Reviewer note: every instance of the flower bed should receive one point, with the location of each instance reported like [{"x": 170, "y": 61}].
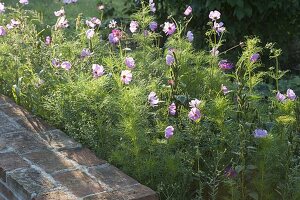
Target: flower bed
[{"x": 189, "y": 124}]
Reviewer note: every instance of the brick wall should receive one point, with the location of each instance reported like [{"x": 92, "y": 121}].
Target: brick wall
[{"x": 40, "y": 162}]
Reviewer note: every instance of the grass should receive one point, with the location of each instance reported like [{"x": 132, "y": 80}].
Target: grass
[{"x": 88, "y": 8}]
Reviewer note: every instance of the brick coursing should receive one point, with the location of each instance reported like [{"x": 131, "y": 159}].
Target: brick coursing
[{"x": 39, "y": 162}]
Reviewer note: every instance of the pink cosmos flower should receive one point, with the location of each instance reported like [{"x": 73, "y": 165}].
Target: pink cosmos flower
[
  {"x": 153, "y": 26},
  {"x": 172, "y": 109},
  {"x": 219, "y": 27},
  {"x": 169, "y": 28},
  {"x": 224, "y": 89},
  {"x": 152, "y": 6},
  {"x": 133, "y": 26},
  {"x": 90, "y": 33},
  {"x": 214, "y": 51},
  {"x": 60, "y": 13},
  {"x": 2, "y": 8},
  {"x": 291, "y": 94},
  {"x": 152, "y": 99},
  {"x": 230, "y": 172},
  {"x": 55, "y": 62},
  {"x": 90, "y": 24},
  {"x": 188, "y": 11},
  {"x": 225, "y": 65},
  {"x": 62, "y": 22},
  {"x": 126, "y": 76},
  {"x": 190, "y": 36},
  {"x": 2, "y": 31},
  {"x": 214, "y": 15},
  {"x": 9, "y": 26},
  {"x": 66, "y": 65},
  {"x": 169, "y": 132},
  {"x": 260, "y": 133},
  {"x": 115, "y": 36},
  {"x": 98, "y": 70},
  {"x": 254, "y": 57},
  {"x": 170, "y": 59},
  {"x": 85, "y": 53},
  {"x": 14, "y": 22},
  {"x": 194, "y": 103},
  {"x": 129, "y": 62},
  {"x": 280, "y": 97},
  {"x": 93, "y": 22},
  {"x": 48, "y": 40},
  {"x": 24, "y": 2},
  {"x": 194, "y": 114}
]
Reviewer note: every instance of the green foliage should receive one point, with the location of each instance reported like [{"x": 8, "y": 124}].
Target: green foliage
[{"x": 214, "y": 157}]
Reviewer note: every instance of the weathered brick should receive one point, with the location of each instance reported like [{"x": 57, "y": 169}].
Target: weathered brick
[
  {"x": 10, "y": 161},
  {"x": 78, "y": 183},
  {"x": 22, "y": 142},
  {"x": 59, "y": 140},
  {"x": 104, "y": 196},
  {"x": 135, "y": 192},
  {"x": 28, "y": 183},
  {"x": 15, "y": 111},
  {"x": 6, "y": 193},
  {"x": 56, "y": 195},
  {"x": 112, "y": 176},
  {"x": 48, "y": 160},
  {"x": 7, "y": 124},
  {"x": 5, "y": 100},
  {"x": 83, "y": 156},
  {"x": 34, "y": 124}
]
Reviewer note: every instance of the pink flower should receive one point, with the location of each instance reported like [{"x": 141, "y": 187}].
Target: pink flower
[
  {"x": 133, "y": 26},
  {"x": 172, "y": 109},
  {"x": 219, "y": 27},
  {"x": 24, "y": 2},
  {"x": 85, "y": 53},
  {"x": 153, "y": 26},
  {"x": 194, "y": 114},
  {"x": 2, "y": 8},
  {"x": 2, "y": 31},
  {"x": 129, "y": 62},
  {"x": 90, "y": 33},
  {"x": 62, "y": 22},
  {"x": 169, "y": 28},
  {"x": 55, "y": 62},
  {"x": 152, "y": 6},
  {"x": 214, "y": 15},
  {"x": 260, "y": 133},
  {"x": 152, "y": 99},
  {"x": 291, "y": 94},
  {"x": 254, "y": 57},
  {"x": 190, "y": 36},
  {"x": 126, "y": 76},
  {"x": 115, "y": 36},
  {"x": 224, "y": 89},
  {"x": 188, "y": 11},
  {"x": 195, "y": 103},
  {"x": 225, "y": 65},
  {"x": 169, "y": 132},
  {"x": 280, "y": 97},
  {"x": 60, "y": 13},
  {"x": 48, "y": 40},
  {"x": 98, "y": 70},
  {"x": 170, "y": 59},
  {"x": 214, "y": 51},
  {"x": 66, "y": 65},
  {"x": 93, "y": 22}
]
